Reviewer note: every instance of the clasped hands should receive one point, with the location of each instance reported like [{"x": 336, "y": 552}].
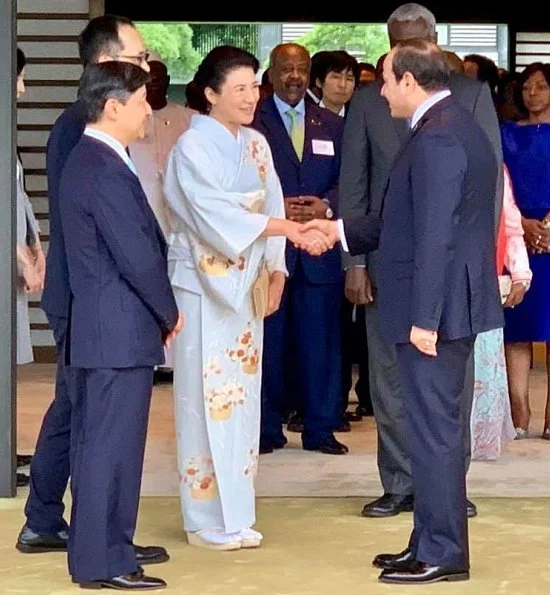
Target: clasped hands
[{"x": 316, "y": 236}]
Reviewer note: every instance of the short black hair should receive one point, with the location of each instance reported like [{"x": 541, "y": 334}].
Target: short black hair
[
  {"x": 367, "y": 66},
  {"x": 109, "y": 80},
  {"x": 219, "y": 62},
  {"x": 335, "y": 61},
  {"x": 425, "y": 61},
  {"x": 487, "y": 70},
  {"x": 101, "y": 36},
  {"x": 21, "y": 61}
]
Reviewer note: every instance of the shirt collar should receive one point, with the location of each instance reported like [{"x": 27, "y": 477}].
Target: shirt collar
[
  {"x": 113, "y": 143},
  {"x": 341, "y": 113},
  {"x": 426, "y": 105},
  {"x": 283, "y": 107},
  {"x": 313, "y": 96}
]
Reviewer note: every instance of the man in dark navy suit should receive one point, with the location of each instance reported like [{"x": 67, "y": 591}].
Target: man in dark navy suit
[
  {"x": 121, "y": 311},
  {"x": 437, "y": 289},
  {"x": 104, "y": 38},
  {"x": 302, "y": 344}
]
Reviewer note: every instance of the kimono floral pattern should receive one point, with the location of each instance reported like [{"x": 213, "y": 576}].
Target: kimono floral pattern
[
  {"x": 222, "y": 400},
  {"x": 257, "y": 153},
  {"x": 214, "y": 264},
  {"x": 251, "y": 468},
  {"x": 199, "y": 477},
  {"x": 246, "y": 353}
]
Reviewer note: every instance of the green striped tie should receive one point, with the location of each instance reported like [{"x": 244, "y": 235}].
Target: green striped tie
[{"x": 296, "y": 132}]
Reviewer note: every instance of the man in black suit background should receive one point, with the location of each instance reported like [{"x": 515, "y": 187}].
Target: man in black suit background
[
  {"x": 437, "y": 290},
  {"x": 372, "y": 138}
]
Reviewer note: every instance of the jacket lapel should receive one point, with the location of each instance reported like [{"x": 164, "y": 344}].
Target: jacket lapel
[{"x": 272, "y": 121}]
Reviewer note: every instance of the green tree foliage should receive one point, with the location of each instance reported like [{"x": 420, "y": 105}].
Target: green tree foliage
[
  {"x": 366, "y": 42},
  {"x": 207, "y": 37},
  {"x": 173, "y": 42}
]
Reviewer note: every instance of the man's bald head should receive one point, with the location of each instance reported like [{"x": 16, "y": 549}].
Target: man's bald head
[
  {"x": 284, "y": 50},
  {"x": 411, "y": 21}
]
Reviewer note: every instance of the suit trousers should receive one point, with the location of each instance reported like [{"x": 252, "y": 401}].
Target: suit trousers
[
  {"x": 110, "y": 417},
  {"x": 388, "y": 397},
  {"x": 435, "y": 389},
  {"x": 302, "y": 360},
  {"x": 355, "y": 350},
  {"x": 50, "y": 464}
]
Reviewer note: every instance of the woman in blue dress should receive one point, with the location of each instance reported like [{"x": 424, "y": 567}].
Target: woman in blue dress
[{"x": 526, "y": 146}]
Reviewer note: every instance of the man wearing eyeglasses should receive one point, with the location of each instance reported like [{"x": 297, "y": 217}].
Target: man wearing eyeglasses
[{"x": 105, "y": 38}]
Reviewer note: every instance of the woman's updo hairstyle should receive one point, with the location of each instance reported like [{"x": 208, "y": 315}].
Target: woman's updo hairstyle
[{"x": 219, "y": 62}]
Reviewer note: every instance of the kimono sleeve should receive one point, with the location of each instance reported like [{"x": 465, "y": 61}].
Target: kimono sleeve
[
  {"x": 275, "y": 247},
  {"x": 193, "y": 191}
]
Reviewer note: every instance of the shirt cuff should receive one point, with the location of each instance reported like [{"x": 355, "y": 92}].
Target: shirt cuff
[{"x": 342, "y": 233}]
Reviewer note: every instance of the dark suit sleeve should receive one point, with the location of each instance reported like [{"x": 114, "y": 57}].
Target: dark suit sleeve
[
  {"x": 437, "y": 174},
  {"x": 333, "y": 193},
  {"x": 486, "y": 116},
  {"x": 362, "y": 233},
  {"x": 130, "y": 238},
  {"x": 353, "y": 186}
]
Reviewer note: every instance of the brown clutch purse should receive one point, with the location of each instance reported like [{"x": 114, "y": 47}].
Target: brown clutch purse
[{"x": 260, "y": 293}]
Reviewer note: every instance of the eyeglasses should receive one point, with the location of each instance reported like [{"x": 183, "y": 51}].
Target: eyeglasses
[{"x": 141, "y": 59}]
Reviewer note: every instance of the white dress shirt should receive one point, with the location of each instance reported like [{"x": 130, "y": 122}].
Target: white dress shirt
[{"x": 419, "y": 112}]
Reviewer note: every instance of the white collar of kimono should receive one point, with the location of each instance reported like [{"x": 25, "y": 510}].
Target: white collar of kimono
[{"x": 210, "y": 125}]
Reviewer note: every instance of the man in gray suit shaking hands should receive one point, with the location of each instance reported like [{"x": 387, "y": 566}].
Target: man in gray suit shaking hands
[{"x": 372, "y": 139}]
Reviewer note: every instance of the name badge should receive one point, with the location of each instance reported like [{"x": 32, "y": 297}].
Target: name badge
[{"x": 322, "y": 147}]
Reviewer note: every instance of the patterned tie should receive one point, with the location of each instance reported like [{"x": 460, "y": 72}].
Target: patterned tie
[{"x": 296, "y": 132}]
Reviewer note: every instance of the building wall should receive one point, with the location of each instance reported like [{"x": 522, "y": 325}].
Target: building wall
[{"x": 47, "y": 32}]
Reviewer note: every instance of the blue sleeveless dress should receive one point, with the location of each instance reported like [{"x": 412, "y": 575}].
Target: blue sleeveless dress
[{"x": 526, "y": 151}]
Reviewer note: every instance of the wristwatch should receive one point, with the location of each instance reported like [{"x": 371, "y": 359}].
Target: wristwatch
[{"x": 329, "y": 214}]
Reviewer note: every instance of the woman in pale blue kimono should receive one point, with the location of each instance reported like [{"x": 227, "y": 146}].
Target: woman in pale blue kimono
[{"x": 227, "y": 223}]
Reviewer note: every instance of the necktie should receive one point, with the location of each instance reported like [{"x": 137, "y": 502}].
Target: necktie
[{"x": 296, "y": 132}]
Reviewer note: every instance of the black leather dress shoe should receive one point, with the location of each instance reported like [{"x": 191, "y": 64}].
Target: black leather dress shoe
[
  {"x": 364, "y": 411},
  {"x": 30, "y": 542},
  {"x": 23, "y": 460},
  {"x": 400, "y": 561},
  {"x": 295, "y": 424},
  {"x": 136, "y": 581},
  {"x": 423, "y": 574},
  {"x": 388, "y": 505},
  {"x": 163, "y": 376},
  {"x": 330, "y": 446},
  {"x": 268, "y": 446},
  {"x": 345, "y": 426},
  {"x": 151, "y": 554},
  {"x": 23, "y": 480},
  {"x": 353, "y": 417},
  {"x": 471, "y": 509}
]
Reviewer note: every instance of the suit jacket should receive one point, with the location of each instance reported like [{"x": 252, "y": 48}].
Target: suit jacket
[
  {"x": 122, "y": 303},
  {"x": 315, "y": 175},
  {"x": 372, "y": 139},
  {"x": 437, "y": 240},
  {"x": 65, "y": 135}
]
